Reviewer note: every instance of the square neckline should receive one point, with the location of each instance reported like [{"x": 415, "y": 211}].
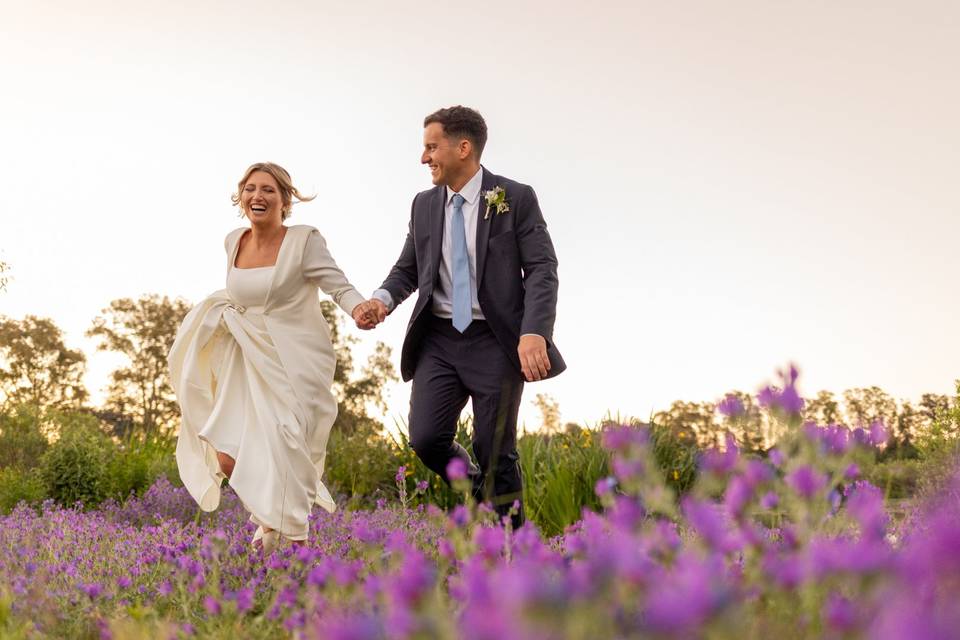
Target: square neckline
[{"x": 233, "y": 263}]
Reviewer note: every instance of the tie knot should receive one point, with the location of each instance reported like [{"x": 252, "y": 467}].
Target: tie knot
[{"x": 458, "y": 200}]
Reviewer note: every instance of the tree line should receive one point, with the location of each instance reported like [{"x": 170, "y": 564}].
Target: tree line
[
  {"x": 38, "y": 371},
  {"x": 905, "y": 422}
]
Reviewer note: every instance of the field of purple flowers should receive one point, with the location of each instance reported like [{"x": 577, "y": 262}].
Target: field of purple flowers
[{"x": 789, "y": 545}]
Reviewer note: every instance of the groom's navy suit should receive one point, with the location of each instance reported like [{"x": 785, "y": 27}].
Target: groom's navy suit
[{"x": 516, "y": 289}]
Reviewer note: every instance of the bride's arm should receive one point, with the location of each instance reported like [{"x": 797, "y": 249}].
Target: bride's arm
[{"x": 321, "y": 269}]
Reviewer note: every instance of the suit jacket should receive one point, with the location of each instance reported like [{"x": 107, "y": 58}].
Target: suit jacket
[{"x": 516, "y": 270}]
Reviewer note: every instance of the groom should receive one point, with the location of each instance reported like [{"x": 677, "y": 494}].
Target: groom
[{"x": 479, "y": 253}]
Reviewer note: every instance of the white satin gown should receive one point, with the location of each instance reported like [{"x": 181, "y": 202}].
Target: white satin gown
[{"x": 253, "y": 368}]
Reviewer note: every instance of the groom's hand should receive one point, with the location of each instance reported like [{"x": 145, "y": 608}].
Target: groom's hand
[
  {"x": 533, "y": 357},
  {"x": 366, "y": 315},
  {"x": 378, "y": 310}
]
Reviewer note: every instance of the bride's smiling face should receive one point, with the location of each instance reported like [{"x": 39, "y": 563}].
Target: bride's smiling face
[{"x": 261, "y": 199}]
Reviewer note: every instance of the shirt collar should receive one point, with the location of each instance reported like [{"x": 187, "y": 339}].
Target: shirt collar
[{"x": 471, "y": 190}]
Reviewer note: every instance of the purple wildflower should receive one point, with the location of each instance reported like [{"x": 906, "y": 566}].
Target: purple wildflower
[
  {"x": 776, "y": 457},
  {"x": 211, "y": 605},
  {"x": 456, "y": 469},
  {"x": 731, "y": 406},
  {"x": 806, "y": 481},
  {"x": 770, "y": 500},
  {"x": 605, "y": 486}
]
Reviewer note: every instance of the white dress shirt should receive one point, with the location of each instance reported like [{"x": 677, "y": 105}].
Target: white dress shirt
[{"x": 443, "y": 294}]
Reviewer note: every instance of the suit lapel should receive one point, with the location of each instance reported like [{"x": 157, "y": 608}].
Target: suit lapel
[
  {"x": 484, "y": 223},
  {"x": 436, "y": 229}
]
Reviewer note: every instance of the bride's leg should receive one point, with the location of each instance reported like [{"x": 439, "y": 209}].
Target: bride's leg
[{"x": 226, "y": 463}]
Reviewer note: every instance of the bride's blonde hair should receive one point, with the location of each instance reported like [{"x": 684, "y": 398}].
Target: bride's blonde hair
[{"x": 287, "y": 191}]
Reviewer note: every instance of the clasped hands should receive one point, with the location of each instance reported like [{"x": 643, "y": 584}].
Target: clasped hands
[{"x": 369, "y": 314}]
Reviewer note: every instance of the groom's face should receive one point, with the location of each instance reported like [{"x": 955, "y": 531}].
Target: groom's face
[{"x": 441, "y": 154}]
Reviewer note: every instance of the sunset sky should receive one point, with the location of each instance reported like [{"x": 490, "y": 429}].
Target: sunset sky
[{"x": 729, "y": 186}]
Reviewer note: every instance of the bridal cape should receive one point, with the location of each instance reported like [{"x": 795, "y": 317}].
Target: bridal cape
[{"x": 261, "y": 376}]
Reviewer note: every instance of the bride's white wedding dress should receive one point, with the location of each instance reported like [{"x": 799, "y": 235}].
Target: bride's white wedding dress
[{"x": 252, "y": 366}]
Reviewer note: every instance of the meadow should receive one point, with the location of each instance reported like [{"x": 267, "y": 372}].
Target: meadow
[{"x": 634, "y": 532}]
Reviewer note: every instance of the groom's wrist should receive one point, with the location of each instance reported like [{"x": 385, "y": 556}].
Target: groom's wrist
[{"x": 384, "y": 296}]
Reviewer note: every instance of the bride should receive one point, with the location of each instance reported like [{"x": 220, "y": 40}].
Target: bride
[{"x": 252, "y": 366}]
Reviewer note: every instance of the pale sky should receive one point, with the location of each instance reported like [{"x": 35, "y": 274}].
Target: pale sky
[{"x": 729, "y": 186}]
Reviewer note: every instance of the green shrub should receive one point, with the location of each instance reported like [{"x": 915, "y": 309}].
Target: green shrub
[
  {"x": 137, "y": 462},
  {"x": 361, "y": 465},
  {"x": 939, "y": 449},
  {"x": 22, "y": 440},
  {"x": 898, "y": 479},
  {"x": 74, "y": 469},
  {"x": 20, "y": 485}
]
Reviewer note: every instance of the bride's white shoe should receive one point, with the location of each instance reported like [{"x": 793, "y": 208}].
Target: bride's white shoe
[{"x": 268, "y": 540}]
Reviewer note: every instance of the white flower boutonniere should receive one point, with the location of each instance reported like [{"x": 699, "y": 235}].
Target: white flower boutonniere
[{"x": 496, "y": 199}]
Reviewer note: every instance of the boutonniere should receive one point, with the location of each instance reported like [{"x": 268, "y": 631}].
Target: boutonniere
[{"x": 496, "y": 199}]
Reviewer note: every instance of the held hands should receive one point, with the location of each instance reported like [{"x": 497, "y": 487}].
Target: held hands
[
  {"x": 533, "y": 357},
  {"x": 369, "y": 314}
]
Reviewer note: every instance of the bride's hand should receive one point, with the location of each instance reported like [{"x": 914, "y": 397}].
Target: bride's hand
[{"x": 367, "y": 314}]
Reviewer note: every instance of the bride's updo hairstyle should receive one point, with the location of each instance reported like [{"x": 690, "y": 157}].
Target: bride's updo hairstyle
[{"x": 287, "y": 191}]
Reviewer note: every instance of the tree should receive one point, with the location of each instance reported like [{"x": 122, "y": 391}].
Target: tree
[
  {"x": 869, "y": 405},
  {"x": 38, "y": 370},
  {"x": 4, "y": 279},
  {"x": 549, "y": 412},
  {"x": 823, "y": 410},
  {"x": 933, "y": 406},
  {"x": 908, "y": 425},
  {"x": 750, "y": 427},
  {"x": 356, "y": 395},
  {"x": 143, "y": 330},
  {"x": 697, "y": 419}
]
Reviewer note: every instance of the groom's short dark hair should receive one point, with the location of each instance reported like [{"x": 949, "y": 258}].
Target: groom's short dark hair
[{"x": 461, "y": 122}]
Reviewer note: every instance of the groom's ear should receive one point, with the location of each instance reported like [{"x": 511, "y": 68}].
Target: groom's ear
[{"x": 465, "y": 148}]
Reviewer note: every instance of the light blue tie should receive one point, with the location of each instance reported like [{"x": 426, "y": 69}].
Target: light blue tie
[{"x": 462, "y": 304}]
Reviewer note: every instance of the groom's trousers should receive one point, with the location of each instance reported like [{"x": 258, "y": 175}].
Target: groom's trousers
[{"x": 452, "y": 367}]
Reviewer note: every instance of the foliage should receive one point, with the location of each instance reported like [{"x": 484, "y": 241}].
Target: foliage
[
  {"x": 18, "y": 484},
  {"x": 74, "y": 469},
  {"x": 549, "y": 412},
  {"x": 22, "y": 437},
  {"x": 38, "y": 369},
  {"x": 939, "y": 446},
  {"x": 135, "y": 463},
  {"x": 82, "y": 463},
  {"x": 897, "y": 478},
  {"x": 560, "y": 471},
  {"x": 143, "y": 331},
  {"x": 360, "y": 464}
]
